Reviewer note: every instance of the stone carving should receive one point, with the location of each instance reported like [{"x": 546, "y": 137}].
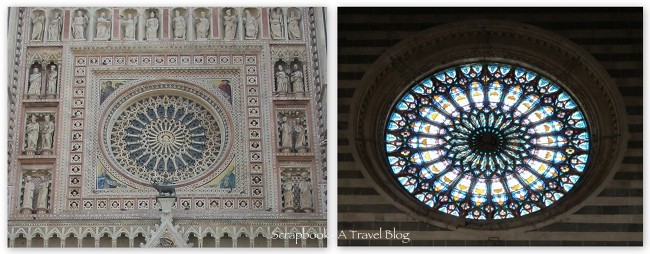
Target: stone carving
[
  {"x": 47, "y": 132},
  {"x": 41, "y": 201},
  {"x": 300, "y": 130},
  {"x": 230, "y": 25},
  {"x": 164, "y": 189},
  {"x": 34, "y": 84},
  {"x": 79, "y": 24},
  {"x": 179, "y": 25},
  {"x": 28, "y": 196},
  {"x": 251, "y": 24},
  {"x": 285, "y": 135},
  {"x": 56, "y": 24},
  {"x": 31, "y": 141},
  {"x": 293, "y": 25},
  {"x": 202, "y": 26},
  {"x": 297, "y": 80},
  {"x": 52, "y": 80},
  {"x": 37, "y": 27},
  {"x": 103, "y": 27},
  {"x": 305, "y": 192},
  {"x": 129, "y": 27},
  {"x": 281, "y": 79},
  {"x": 292, "y": 132},
  {"x": 152, "y": 27},
  {"x": 277, "y": 27},
  {"x": 288, "y": 194}
]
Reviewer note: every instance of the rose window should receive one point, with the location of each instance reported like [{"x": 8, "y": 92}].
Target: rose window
[{"x": 486, "y": 141}]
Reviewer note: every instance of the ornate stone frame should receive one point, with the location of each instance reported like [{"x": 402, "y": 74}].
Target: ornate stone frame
[{"x": 481, "y": 40}]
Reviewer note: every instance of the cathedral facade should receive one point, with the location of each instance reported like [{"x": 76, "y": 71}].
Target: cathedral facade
[{"x": 167, "y": 127}]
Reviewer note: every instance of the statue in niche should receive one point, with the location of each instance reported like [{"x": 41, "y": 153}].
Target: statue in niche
[
  {"x": 202, "y": 26},
  {"x": 251, "y": 25},
  {"x": 54, "y": 33},
  {"x": 297, "y": 83},
  {"x": 28, "y": 195},
  {"x": 129, "y": 27},
  {"x": 47, "y": 131},
  {"x": 37, "y": 27},
  {"x": 293, "y": 25},
  {"x": 179, "y": 26},
  {"x": 230, "y": 21},
  {"x": 103, "y": 27},
  {"x": 281, "y": 80},
  {"x": 300, "y": 130},
  {"x": 34, "y": 82},
  {"x": 276, "y": 23},
  {"x": 152, "y": 27},
  {"x": 41, "y": 201},
  {"x": 305, "y": 192},
  {"x": 285, "y": 135},
  {"x": 32, "y": 129},
  {"x": 288, "y": 194},
  {"x": 79, "y": 24},
  {"x": 52, "y": 79}
]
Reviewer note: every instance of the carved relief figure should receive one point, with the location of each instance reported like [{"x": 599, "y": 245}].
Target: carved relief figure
[
  {"x": 202, "y": 26},
  {"x": 28, "y": 195},
  {"x": 54, "y": 33},
  {"x": 37, "y": 27},
  {"x": 129, "y": 27},
  {"x": 179, "y": 26},
  {"x": 285, "y": 135},
  {"x": 305, "y": 192},
  {"x": 299, "y": 128},
  {"x": 288, "y": 194},
  {"x": 79, "y": 24},
  {"x": 251, "y": 25},
  {"x": 152, "y": 27},
  {"x": 34, "y": 82},
  {"x": 297, "y": 83},
  {"x": 41, "y": 201},
  {"x": 281, "y": 80},
  {"x": 276, "y": 23},
  {"x": 32, "y": 130},
  {"x": 293, "y": 25},
  {"x": 103, "y": 27},
  {"x": 47, "y": 131},
  {"x": 230, "y": 21},
  {"x": 52, "y": 79}
]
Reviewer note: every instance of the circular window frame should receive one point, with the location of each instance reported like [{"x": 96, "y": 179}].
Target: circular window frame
[{"x": 445, "y": 46}]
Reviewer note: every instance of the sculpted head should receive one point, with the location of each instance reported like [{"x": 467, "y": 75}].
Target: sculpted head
[{"x": 153, "y": 15}]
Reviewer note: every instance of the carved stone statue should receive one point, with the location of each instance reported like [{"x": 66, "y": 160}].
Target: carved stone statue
[
  {"x": 129, "y": 27},
  {"x": 103, "y": 27},
  {"x": 79, "y": 24},
  {"x": 179, "y": 26},
  {"x": 281, "y": 80},
  {"x": 47, "y": 131},
  {"x": 28, "y": 196},
  {"x": 41, "y": 201},
  {"x": 276, "y": 23},
  {"x": 293, "y": 25},
  {"x": 230, "y": 22},
  {"x": 288, "y": 194},
  {"x": 305, "y": 193},
  {"x": 251, "y": 25},
  {"x": 34, "y": 82},
  {"x": 52, "y": 79},
  {"x": 297, "y": 82},
  {"x": 300, "y": 144},
  {"x": 32, "y": 130},
  {"x": 152, "y": 27},
  {"x": 37, "y": 27},
  {"x": 285, "y": 135},
  {"x": 202, "y": 26},
  {"x": 54, "y": 33}
]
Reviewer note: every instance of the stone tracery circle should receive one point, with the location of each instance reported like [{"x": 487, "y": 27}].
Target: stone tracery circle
[{"x": 165, "y": 135}]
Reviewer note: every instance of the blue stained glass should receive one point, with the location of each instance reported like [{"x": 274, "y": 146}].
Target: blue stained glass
[{"x": 487, "y": 141}]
